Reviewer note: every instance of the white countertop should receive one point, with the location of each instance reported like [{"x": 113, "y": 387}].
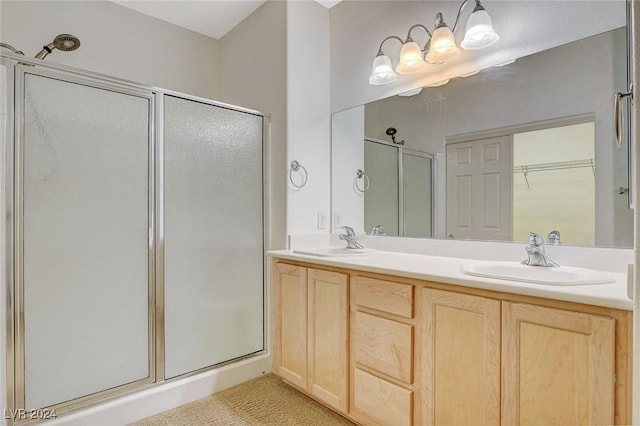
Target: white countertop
[{"x": 448, "y": 270}]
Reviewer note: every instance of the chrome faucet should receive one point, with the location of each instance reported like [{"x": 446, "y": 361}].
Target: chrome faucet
[
  {"x": 376, "y": 230},
  {"x": 350, "y": 238},
  {"x": 536, "y": 253},
  {"x": 553, "y": 237}
]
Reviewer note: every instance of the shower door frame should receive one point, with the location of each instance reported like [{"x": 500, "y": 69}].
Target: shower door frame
[
  {"x": 16, "y": 67},
  {"x": 18, "y": 228}
]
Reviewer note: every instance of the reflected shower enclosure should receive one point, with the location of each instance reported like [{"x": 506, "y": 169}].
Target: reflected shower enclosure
[
  {"x": 396, "y": 187},
  {"x": 400, "y": 194}
]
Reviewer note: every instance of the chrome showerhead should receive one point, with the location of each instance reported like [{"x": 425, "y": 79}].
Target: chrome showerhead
[
  {"x": 391, "y": 131},
  {"x": 64, "y": 42}
]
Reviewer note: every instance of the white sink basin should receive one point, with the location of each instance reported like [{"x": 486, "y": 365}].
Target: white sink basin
[
  {"x": 512, "y": 271},
  {"x": 334, "y": 251}
]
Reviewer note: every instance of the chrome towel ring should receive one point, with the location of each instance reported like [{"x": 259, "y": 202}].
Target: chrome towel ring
[
  {"x": 360, "y": 174},
  {"x": 295, "y": 167}
]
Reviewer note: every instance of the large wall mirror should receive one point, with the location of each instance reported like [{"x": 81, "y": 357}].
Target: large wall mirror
[{"x": 525, "y": 146}]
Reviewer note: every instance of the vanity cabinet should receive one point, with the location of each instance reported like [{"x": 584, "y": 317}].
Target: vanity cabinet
[
  {"x": 459, "y": 358},
  {"x": 414, "y": 352},
  {"x": 558, "y": 367},
  {"x": 310, "y": 335}
]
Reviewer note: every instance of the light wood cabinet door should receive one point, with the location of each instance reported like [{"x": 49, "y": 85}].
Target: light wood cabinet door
[
  {"x": 290, "y": 323},
  {"x": 460, "y": 359},
  {"x": 557, "y": 366},
  {"x": 328, "y": 337},
  {"x": 379, "y": 402}
]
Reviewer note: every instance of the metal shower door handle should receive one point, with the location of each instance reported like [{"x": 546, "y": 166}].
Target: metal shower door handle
[{"x": 617, "y": 116}]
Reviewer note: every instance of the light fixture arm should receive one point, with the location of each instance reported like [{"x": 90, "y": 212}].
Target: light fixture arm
[
  {"x": 409, "y": 38},
  {"x": 462, "y": 6},
  {"x": 380, "y": 52},
  {"x": 420, "y": 26}
]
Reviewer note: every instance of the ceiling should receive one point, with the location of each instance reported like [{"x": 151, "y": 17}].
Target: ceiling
[{"x": 213, "y": 18}]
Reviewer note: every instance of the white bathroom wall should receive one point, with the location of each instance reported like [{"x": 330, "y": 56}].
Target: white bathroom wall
[
  {"x": 347, "y": 153},
  {"x": 308, "y": 114},
  {"x": 253, "y": 74},
  {"x": 116, "y": 41},
  {"x": 358, "y": 27}
]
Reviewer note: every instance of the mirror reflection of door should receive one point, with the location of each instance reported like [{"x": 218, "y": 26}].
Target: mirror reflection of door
[
  {"x": 479, "y": 189},
  {"x": 503, "y": 187}
]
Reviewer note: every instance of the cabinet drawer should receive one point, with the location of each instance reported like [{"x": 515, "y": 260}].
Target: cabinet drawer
[
  {"x": 385, "y": 296},
  {"x": 380, "y": 402},
  {"x": 383, "y": 345}
]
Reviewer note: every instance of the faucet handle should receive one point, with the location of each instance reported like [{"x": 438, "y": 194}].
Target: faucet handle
[
  {"x": 553, "y": 237},
  {"x": 535, "y": 239},
  {"x": 377, "y": 230},
  {"x": 349, "y": 230}
]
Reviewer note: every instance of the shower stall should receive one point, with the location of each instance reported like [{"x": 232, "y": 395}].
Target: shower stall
[
  {"x": 399, "y": 189},
  {"x": 135, "y": 235}
]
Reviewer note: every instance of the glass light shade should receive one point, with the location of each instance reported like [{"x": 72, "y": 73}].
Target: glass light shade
[
  {"x": 443, "y": 45},
  {"x": 410, "y": 59},
  {"x": 382, "y": 71},
  {"x": 480, "y": 32}
]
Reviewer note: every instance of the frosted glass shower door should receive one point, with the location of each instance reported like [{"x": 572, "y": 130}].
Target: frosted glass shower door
[
  {"x": 381, "y": 200},
  {"x": 213, "y": 235},
  {"x": 83, "y": 173},
  {"x": 417, "y": 172}
]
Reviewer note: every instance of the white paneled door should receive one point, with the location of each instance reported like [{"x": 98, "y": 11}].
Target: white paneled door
[{"x": 479, "y": 189}]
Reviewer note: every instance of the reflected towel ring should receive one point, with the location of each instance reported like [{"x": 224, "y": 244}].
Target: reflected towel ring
[
  {"x": 360, "y": 174},
  {"x": 295, "y": 167}
]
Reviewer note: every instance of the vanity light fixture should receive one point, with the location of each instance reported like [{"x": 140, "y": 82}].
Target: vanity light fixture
[{"x": 440, "y": 47}]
